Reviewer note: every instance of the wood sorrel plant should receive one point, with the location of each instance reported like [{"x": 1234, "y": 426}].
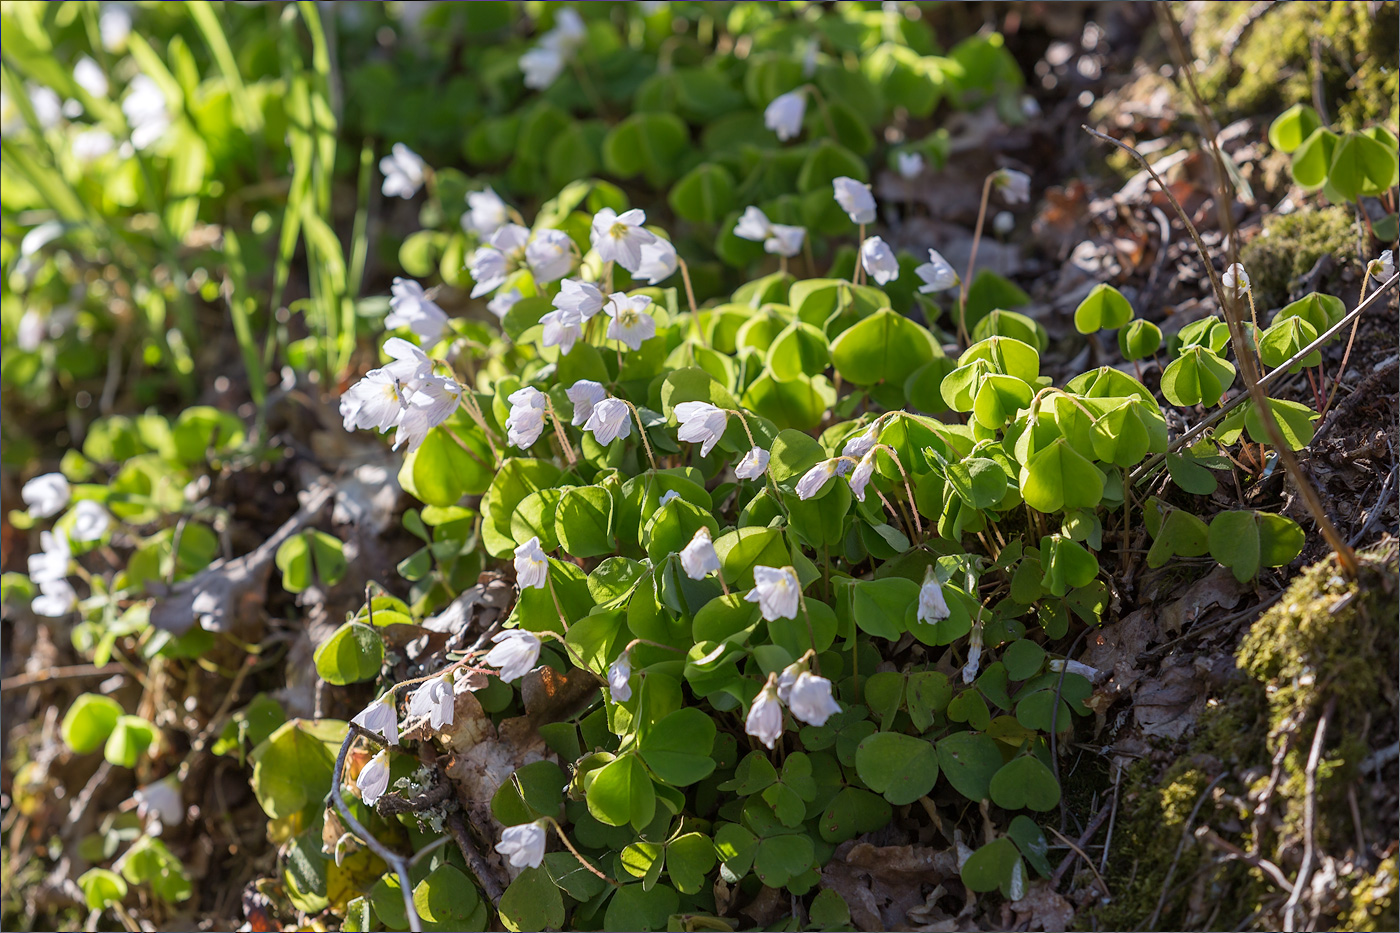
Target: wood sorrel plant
[{"x": 780, "y": 658}]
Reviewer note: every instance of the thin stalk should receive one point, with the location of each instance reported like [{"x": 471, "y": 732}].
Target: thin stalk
[
  {"x": 641, "y": 429},
  {"x": 908, "y": 489},
  {"x": 685, "y": 277},
  {"x": 1351, "y": 339},
  {"x": 558, "y": 830},
  {"x": 972, "y": 259}
]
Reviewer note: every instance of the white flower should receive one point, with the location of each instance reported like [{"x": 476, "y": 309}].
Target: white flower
[
  {"x": 937, "y": 273},
  {"x": 487, "y": 212},
  {"x": 1385, "y": 265},
  {"x": 659, "y": 261},
  {"x": 114, "y": 26},
  {"x": 765, "y": 719},
  {"x": 753, "y": 225},
  {"x": 410, "y": 306},
  {"x": 160, "y": 800},
  {"x": 1004, "y": 222},
  {"x": 488, "y": 268},
  {"x": 90, "y": 521},
  {"x": 701, "y": 423},
  {"x": 911, "y": 164},
  {"x": 932, "y": 606},
  {"x": 146, "y": 111},
  {"x": 1015, "y": 186},
  {"x": 525, "y": 423},
  {"x": 516, "y": 654},
  {"x": 855, "y": 199},
  {"x": 541, "y": 65},
  {"x": 810, "y": 699},
  {"x": 620, "y": 237},
  {"x": 531, "y": 565},
  {"x": 430, "y": 406},
  {"x": 619, "y": 678},
  {"x": 814, "y": 479},
  {"x": 753, "y": 465},
  {"x": 562, "y": 329},
  {"x": 550, "y": 256},
  {"x": 784, "y": 115},
  {"x": 45, "y": 495},
  {"x": 785, "y": 240},
  {"x": 584, "y": 394},
  {"x": 630, "y": 321},
  {"x": 92, "y": 144},
  {"x": 48, "y": 107},
  {"x": 1091, "y": 674},
  {"x": 376, "y": 401},
  {"x": 809, "y": 58},
  {"x": 776, "y": 591},
  {"x": 860, "y": 476},
  {"x": 585, "y": 298},
  {"x": 974, "y": 653},
  {"x": 609, "y": 420},
  {"x": 859, "y": 445},
  {"x": 698, "y": 558},
  {"x": 51, "y": 563},
  {"x": 788, "y": 677},
  {"x": 668, "y": 496},
  {"x": 90, "y": 77},
  {"x": 56, "y": 598},
  {"x": 381, "y": 717},
  {"x": 31, "y": 330},
  {"x": 523, "y": 845},
  {"x": 410, "y": 365},
  {"x": 1235, "y": 280},
  {"x": 503, "y": 302},
  {"x": 435, "y": 699},
  {"x": 373, "y": 779},
  {"x": 403, "y": 170},
  {"x": 878, "y": 260}
]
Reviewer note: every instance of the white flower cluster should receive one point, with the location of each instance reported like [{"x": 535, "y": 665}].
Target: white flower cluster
[
  {"x": 404, "y": 394},
  {"x": 45, "y": 496},
  {"x": 806, "y": 695}
]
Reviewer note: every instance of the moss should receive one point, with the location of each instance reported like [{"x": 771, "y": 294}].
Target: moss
[
  {"x": 1273, "y": 66},
  {"x": 1291, "y": 244},
  {"x": 1329, "y": 642}
]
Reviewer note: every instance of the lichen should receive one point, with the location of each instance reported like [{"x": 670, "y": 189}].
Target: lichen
[
  {"x": 1291, "y": 244},
  {"x": 1329, "y": 644},
  {"x": 1276, "y": 63}
]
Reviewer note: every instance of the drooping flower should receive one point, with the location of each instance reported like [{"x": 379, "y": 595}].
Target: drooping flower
[
  {"x": 410, "y": 306},
  {"x": 937, "y": 273},
  {"x": 701, "y": 423},
  {"x": 810, "y": 699},
  {"x": 46, "y": 495},
  {"x": 525, "y": 423},
  {"x": 630, "y": 321},
  {"x": 487, "y": 212},
  {"x": 855, "y": 199},
  {"x": 435, "y": 699},
  {"x": 1235, "y": 280},
  {"x": 698, "y": 558},
  {"x": 516, "y": 654},
  {"x": 765, "y": 719},
  {"x": 491, "y": 265},
  {"x": 523, "y": 845},
  {"x": 910, "y": 164},
  {"x": 620, "y": 237},
  {"x": 860, "y": 476},
  {"x": 503, "y": 302},
  {"x": 784, "y": 114},
  {"x": 373, "y": 779},
  {"x": 932, "y": 606},
  {"x": 90, "y": 521},
  {"x": 531, "y": 565},
  {"x": 859, "y": 445},
  {"x": 776, "y": 591},
  {"x": 1385, "y": 265},
  {"x": 609, "y": 420},
  {"x": 815, "y": 479},
  {"x": 878, "y": 260},
  {"x": 562, "y": 329},
  {"x": 753, "y": 465},
  {"x": 620, "y": 678},
  {"x": 433, "y": 403},
  {"x": 974, "y": 653},
  {"x": 777, "y": 239},
  {"x": 753, "y": 224},
  {"x": 147, "y": 113},
  {"x": 550, "y": 256},
  {"x": 1004, "y": 222},
  {"x": 579, "y": 296},
  {"x": 1015, "y": 186},
  {"x": 659, "y": 261},
  {"x": 788, "y": 676},
  {"x": 403, "y": 170},
  {"x": 56, "y": 598},
  {"x": 584, "y": 394},
  {"x": 381, "y": 717},
  {"x": 51, "y": 563}
]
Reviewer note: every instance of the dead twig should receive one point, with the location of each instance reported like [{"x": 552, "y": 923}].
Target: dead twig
[
  {"x": 1077, "y": 849},
  {"x": 1180, "y": 847},
  {"x": 49, "y": 675},
  {"x": 1209, "y": 836},
  {"x": 1305, "y": 870},
  {"x": 457, "y": 825}
]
